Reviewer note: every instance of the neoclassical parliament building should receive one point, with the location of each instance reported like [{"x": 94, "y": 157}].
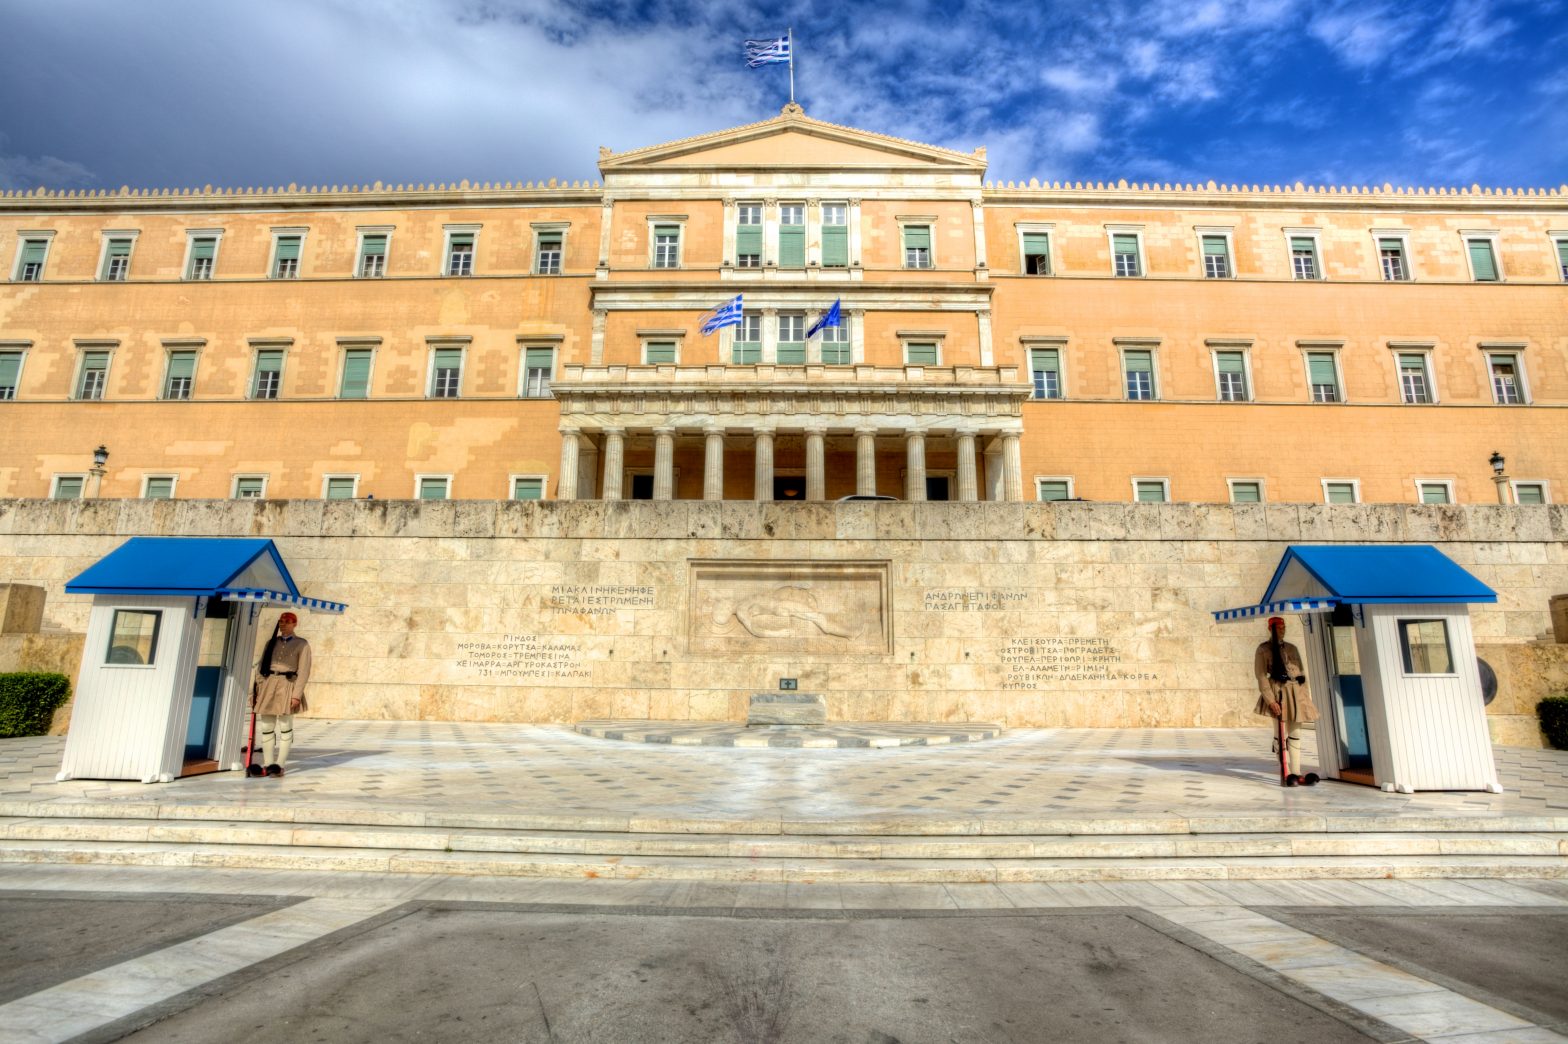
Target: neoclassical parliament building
[{"x": 998, "y": 341}]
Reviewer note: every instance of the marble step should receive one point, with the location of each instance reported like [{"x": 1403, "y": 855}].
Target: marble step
[{"x": 879, "y": 871}]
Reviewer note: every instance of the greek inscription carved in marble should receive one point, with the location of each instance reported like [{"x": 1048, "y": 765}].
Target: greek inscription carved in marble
[
  {"x": 1038, "y": 663},
  {"x": 784, "y": 608}
]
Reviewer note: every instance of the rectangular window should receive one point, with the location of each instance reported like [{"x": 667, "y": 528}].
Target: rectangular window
[
  {"x": 1323, "y": 376},
  {"x": 1037, "y": 253},
  {"x": 181, "y": 376},
  {"x": 1246, "y": 491},
  {"x": 250, "y": 487},
  {"x": 1396, "y": 267},
  {"x": 356, "y": 373},
  {"x": 1053, "y": 489},
  {"x": 285, "y": 256},
  {"x": 1434, "y": 492},
  {"x": 67, "y": 487},
  {"x": 116, "y": 260},
  {"x": 547, "y": 252},
  {"x": 920, "y": 353},
  {"x": 656, "y": 353},
  {"x": 746, "y": 350},
  {"x": 95, "y": 374},
  {"x": 1529, "y": 492},
  {"x": 835, "y": 344},
  {"x": 1339, "y": 492},
  {"x": 666, "y": 246},
  {"x": 538, "y": 369},
  {"x": 446, "y": 373},
  {"x": 1216, "y": 257},
  {"x": 1562, "y": 258},
  {"x": 372, "y": 255},
  {"x": 1045, "y": 371},
  {"x": 526, "y": 487},
  {"x": 1483, "y": 260},
  {"x": 204, "y": 256},
  {"x": 434, "y": 487},
  {"x": 1150, "y": 491},
  {"x": 1506, "y": 386},
  {"x": 158, "y": 487},
  {"x": 748, "y": 235},
  {"x": 267, "y": 381},
  {"x": 1414, "y": 383},
  {"x": 792, "y": 338},
  {"x": 10, "y": 373},
  {"x": 460, "y": 253},
  {"x": 1138, "y": 368},
  {"x": 792, "y": 235},
  {"x": 340, "y": 487},
  {"x": 1124, "y": 254},
  {"x": 917, "y": 246},
  {"x": 1424, "y": 646},
  {"x": 1304, "y": 257},
  {"x": 1230, "y": 371},
  {"x": 835, "y": 235},
  {"x": 30, "y": 265},
  {"x": 133, "y": 637}
]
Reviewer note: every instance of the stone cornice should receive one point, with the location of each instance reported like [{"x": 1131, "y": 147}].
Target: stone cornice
[
  {"x": 357, "y": 197},
  {"x": 1352, "y": 197}
]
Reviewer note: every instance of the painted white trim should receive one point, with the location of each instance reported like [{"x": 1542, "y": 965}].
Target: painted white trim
[
  {"x": 1545, "y": 484},
  {"x": 925, "y": 221},
  {"x": 1071, "y": 490},
  {"x": 21, "y": 350},
  {"x": 174, "y": 484},
  {"x": 1354, "y": 483},
  {"x": 1136, "y": 231},
  {"x": 54, "y": 484},
  {"x": 434, "y": 344},
  {"x": 1045, "y": 228},
  {"x": 326, "y": 480},
  {"x": 82, "y": 348},
  {"x": 359, "y": 248},
  {"x": 1258, "y": 480},
  {"x": 523, "y": 347},
  {"x": 193, "y": 234},
  {"x": 103, "y": 252},
  {"x": 905, "y": 340},
  {"x": 1316, "y": 235},
  {"x": 1153, "y": 348},
  {"x": 1217, "y": 346},
  {"x": 447, "y": 232},
  {"x": 1331, "y": 348},
  {"x": 1514, "y": 350},
  {"x": 1447, "y": 484},
  {"x": 542, "y": 478},
  {"x": 272, "y": 257},
  {"x": 1493, "y": 237},
  {"x": 537, "y": 228},
  {"x": 1226, "y": 232},
  {"x": 350, "y": 344},
  {"x": 1165, "y": 485},
  {"x": 257, "y": 346},
  {"x": 1401, "y": 234},
  {"x": 419, "y": 481},
  {"x": 195, "y": 347},
  {"x": 234, "y": 486},
  {"x": 679, "y": 221},
  {"x": 22, "y": 238},
  {"x": 1425, "y": 349}
]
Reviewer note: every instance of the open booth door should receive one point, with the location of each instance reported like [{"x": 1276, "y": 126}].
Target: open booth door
[{"x": 1347, "y": 696}]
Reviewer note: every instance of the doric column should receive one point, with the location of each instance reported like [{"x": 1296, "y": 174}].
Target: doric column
[
  {"x": 762, "y": 485},
  {"x": 566, "y": 483},
  {"x": 1012, "y": 468},
  {"x": 713, "y": 464},
  {"x": 816, "y": 485},
  {"x": 968, "y": 489},
  {"x": 865, "y": 461},
  {"x": 663, "y": 463},
  {"x": 614, "y": 462},
  {"x": 915, "y": 465}
]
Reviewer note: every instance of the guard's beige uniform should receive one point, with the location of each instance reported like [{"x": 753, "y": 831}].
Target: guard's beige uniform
[
  {"x": 274, "y": 695},
  {"x": 1294, "y": 701}
]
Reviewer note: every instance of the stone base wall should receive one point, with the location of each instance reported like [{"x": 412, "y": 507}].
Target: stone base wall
[{"x": 1026, "y": 614}]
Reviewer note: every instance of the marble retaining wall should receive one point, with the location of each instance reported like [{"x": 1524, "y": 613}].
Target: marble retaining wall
[{"x": 1027, "y": 614}]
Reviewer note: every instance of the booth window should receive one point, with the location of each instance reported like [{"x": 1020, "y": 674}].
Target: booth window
[
  {"x": 1424, "y": 645},
  {"x": 133, "y": 638}
]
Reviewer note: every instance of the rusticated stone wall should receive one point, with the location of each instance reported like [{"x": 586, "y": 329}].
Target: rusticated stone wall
[{"x": 1075, "y": 614}]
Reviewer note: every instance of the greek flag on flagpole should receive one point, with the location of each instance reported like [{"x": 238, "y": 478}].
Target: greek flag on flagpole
[
  {"x": 727, "y": 314},
  {"x": 767, "y": 52},
  {"x": 831, "y": 317}
]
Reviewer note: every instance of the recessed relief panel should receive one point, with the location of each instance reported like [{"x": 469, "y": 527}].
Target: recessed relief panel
[{"x": 790, "y": 608}]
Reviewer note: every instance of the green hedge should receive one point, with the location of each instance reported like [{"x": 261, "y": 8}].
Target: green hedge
[
  {"x": 1553, "y": 712},
  {"x": 28, "y": 702}
]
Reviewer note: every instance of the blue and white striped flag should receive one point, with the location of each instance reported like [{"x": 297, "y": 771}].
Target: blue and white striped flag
[
  {"x": 767, "y": 52},
  {"x": 831, "y": 317},
  {"x": 727, "y": 314}
]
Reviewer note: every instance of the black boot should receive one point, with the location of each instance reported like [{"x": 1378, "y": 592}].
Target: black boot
[
  {"x": 274, "y": 770},
  {"x": 1310, "y": 779},
  {"x": 1292, "y": 780}
]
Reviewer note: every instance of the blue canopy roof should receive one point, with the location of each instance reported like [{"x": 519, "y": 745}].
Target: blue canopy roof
[
  {"x": 1321, "y": 576},
  {"x": 197, "y": 567}
]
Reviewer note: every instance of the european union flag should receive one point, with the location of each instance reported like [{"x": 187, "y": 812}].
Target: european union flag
[
  {"x": 831, "y": 317},
  {"x": 727, "y": 314}
]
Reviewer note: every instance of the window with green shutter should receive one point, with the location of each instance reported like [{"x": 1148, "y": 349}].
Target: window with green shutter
[
  {"x": 1529, "y": 493},
  {"x": 547, "y": 252},
  {"x": 1323, "y": 377},
  {"x": 1138, "y": 369},
  {"x": 1124, "y": 254},
  {"x": 920, "y": 353},
  {"x": 1045, "y": 370},
  {"x": 116, "y": 260},
  {"x": 372, "y": 255},
  {"x": 268, "y": 379},
  {"x": 1150, "y": 491},
  {"x": 1246, "y": 493},
  {"x": 748, "y": 235},
  {"x": 1391, "y": 252},
  {"x": 460, "y": 254},
  {"x": 1339, "y": 492},
  {"x": 1303, "y": 257},
  {"x": 538, "y": 369},
  {"x": 1037, "y": 253},
  {"x": 666, "y": 246},
  {"x": 181, "y": 376},
  {"x": 249, "y": 487},
  {"x": 95, "y": 374},
  {"x": 1562, "y": 258},
  {"x": 792, "y": 235},
  {"x": 835, "y": 235},
  {"x": 1216, "y": 257},
  {"x": 527, "y": 488},
  {"x": 446, "y": 373},
  {"x": 1053, "y": 489},
  {"x": 30, "y": 267},
  {"x": 285, "y": 257},
  {"x": 917, "y": 246},
  {"x": 434, "y": 487},
  {"x": 158, "y": 487},
  {"x": 1434, "y": 493},
  {"x": 356, "y": 373},
  {"x": 746, "y": 348},
  {"x": 1413, "y": 381},
  {"x": 792, "y": 339},
  {"x": 204, "y": 254},
  {"x": 1231, "y": 374},
  {"x": 67, "y": 487},
  {"x": 835, "y": 344},
  {"x": 340, "y": 487},
  {"x": 10, "y": 373},
  {"x": 656, "y": 353},
  {"x": 1483, "y": 261}
]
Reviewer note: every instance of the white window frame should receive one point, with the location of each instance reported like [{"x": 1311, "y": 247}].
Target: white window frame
[
  {"x": 21, "y": 349},
  {"x": 169, "y": 348},
  {"x": 1425, "y": 350},
  {"x": 679, "y": 221},
  {"x": 1314, "y": 234},
  {"x": 1557, "y": 238},
  {"x": 252, "y": 385},
  {"x": 346, "y": 345},
  {"x": 1355, "y": 488},
  {"x": 359, "y": 249},
  {"x": 1333, "y": 348},
  {"x": 432, "y": 346},
  {"x": 542, "y": 479},
  {"x": 936, "y": 337},
  {"x": 645, "y": 338},
  {"x": 1447, "y": 484},
  {"x": 1072, "y": 493},
  {"x": 1403, "y": 235},
  {"x": 1263, "y": 489},
  {"x": 326, "y": 481},
  {"x": 1226, "y": 232},
  {"x": 419, "y": 481},
  {"x": 523, "y": 346},
  {"x": 447, "y": 232},
  {"x": 279, "y": 234},
  {"x": 1516, "y": 350},
  {"x": 1059, "y": 345},
  {"x": 1245, "y": 348},
  {"x": 927, "y": 222},
  {"x": 1153, "y": 348},
  {"x": 805, "y": 233},
  {"x": 22, "y": 237},
  {"x": 174, "y": 484},
  {"x": 1546, "y": 488},
  {"x": 191, "y": 235},
  {"x": 1165, "y": 487},
  {"x": 822, "y": 223},
  {"x": 846, "y": 328},
  {"x": 1492, "y": 237},
  {"x": 540, "y": 229},
  {"x": 54, "y": 484},
  {"x": 1136, "y": 231},
  {"x": 82, "y": 348},
  {"x": 1038, "y": 228},
  {"x": 103, "y": 252},
  {"x": 762, "y": 236},
  {"x": 234, "y": 487}
]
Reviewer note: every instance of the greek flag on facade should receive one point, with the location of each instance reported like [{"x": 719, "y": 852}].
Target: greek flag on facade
[
  {"x": 767, "y": 52},
  {"x": 831, "y": 317},
  {"x": 727, "y": 314}
]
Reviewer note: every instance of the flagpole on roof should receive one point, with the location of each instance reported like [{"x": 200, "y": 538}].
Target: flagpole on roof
[{"x": 791, "y": 64}]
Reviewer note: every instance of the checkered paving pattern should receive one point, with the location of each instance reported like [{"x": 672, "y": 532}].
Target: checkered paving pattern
[{"x": 1104, "y": 773}]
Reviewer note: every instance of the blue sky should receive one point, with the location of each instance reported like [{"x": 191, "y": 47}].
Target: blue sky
[{"x": 174, "y": 93}]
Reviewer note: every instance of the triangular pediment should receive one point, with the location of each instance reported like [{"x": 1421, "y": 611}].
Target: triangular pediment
[{"x": 791, "y": 140}]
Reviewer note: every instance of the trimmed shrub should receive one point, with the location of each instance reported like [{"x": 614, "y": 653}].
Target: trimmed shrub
[
  {"x": 28, "y": 702},
  {"x": 1553, "y": 712}
]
